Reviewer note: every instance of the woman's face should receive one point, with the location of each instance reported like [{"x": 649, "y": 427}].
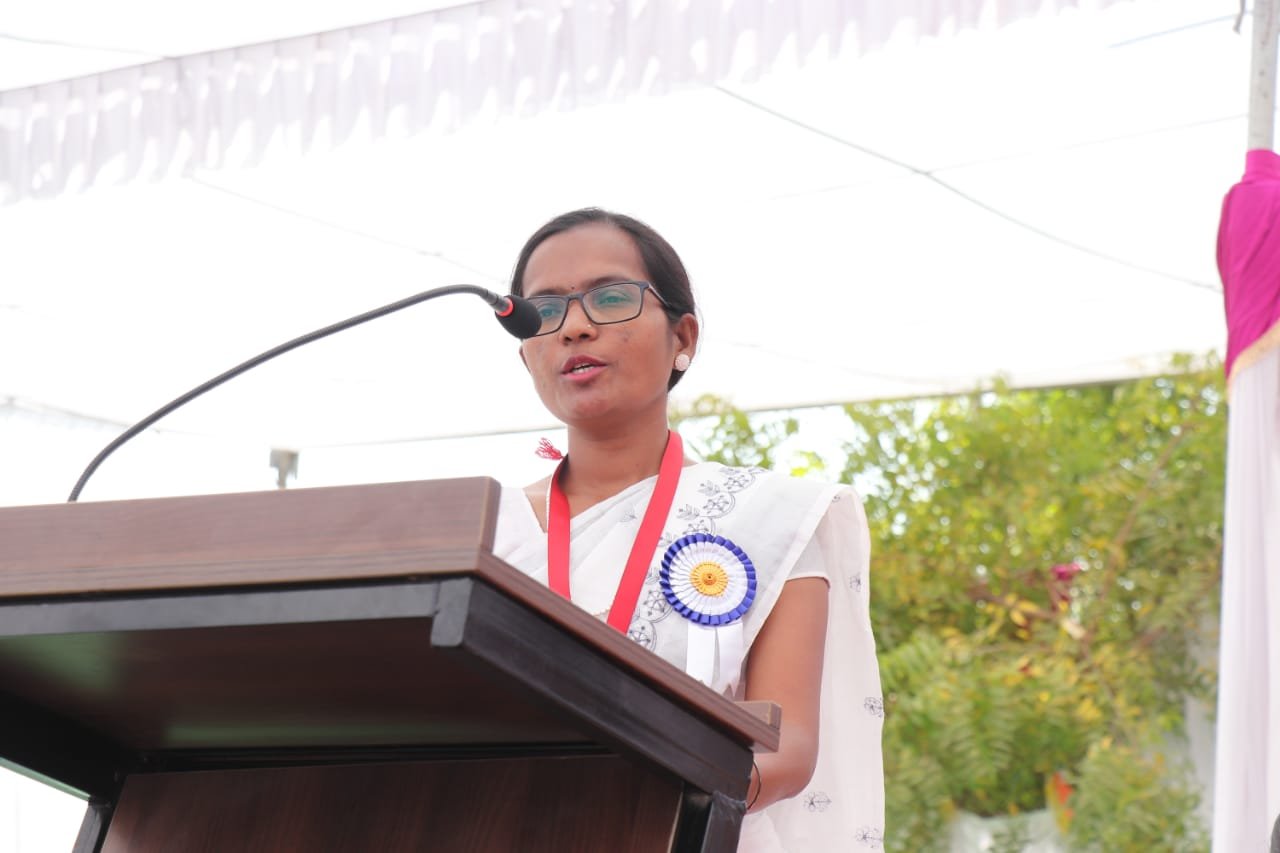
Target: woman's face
[{"x": 586, "y": 373}]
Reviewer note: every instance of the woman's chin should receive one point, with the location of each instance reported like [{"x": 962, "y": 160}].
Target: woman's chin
[
  {"x": 584, "y": 413},
  {"x": 598, "y": 406},
  {"x": 587, "y": 410}
]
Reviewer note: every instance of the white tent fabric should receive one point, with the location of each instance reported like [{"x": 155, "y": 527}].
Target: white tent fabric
[
  {"x": 437, "y": 70},
  {"x": 155, "y": 464},
  {"x": 908, "y": 221},
  {"x": 1247, "y": 799}
]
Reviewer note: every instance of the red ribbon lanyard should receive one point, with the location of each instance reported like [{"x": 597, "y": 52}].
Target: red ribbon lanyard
[{"x": 655, "y": 517}]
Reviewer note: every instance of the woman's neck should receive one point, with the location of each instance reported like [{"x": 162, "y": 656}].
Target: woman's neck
[{"x": 603, "y": 464}]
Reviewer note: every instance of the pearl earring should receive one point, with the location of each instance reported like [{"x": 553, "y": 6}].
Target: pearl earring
[{"x": 682, "y": 362}]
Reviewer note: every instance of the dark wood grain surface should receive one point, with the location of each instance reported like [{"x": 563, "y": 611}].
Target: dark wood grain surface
[
  {"x": 529, "y": 805},
  {"x": 312, "y": 684}
]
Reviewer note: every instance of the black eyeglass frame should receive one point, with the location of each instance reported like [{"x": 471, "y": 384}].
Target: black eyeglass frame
[{"x": 565, "y": 299}]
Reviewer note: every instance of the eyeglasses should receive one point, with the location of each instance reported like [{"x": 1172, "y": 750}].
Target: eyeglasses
[{"x": 615, "y": 302}]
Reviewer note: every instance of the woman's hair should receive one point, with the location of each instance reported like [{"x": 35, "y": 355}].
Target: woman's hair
[{"x": 661, "y": 263}]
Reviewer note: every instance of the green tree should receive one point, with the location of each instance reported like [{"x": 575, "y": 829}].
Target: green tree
[{"x": 1044, "y": 565}]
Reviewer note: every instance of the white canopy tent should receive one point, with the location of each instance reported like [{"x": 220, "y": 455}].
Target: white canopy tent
[
  {"x": 874, "y": 199},
  {"x": 872, "y": 204}
]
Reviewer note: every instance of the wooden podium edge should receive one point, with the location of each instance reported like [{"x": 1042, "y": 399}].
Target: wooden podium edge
[{"x": 757, "y": 726}]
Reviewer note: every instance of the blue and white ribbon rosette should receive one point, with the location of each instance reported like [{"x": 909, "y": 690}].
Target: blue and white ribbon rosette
[{"x": 711, "y": 582}]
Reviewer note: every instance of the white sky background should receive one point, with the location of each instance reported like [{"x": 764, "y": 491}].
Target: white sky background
[{"x": 823, "y": 272}]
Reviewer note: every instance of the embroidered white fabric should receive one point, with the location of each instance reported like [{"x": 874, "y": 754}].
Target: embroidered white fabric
[{"x": 789, "y": 528}]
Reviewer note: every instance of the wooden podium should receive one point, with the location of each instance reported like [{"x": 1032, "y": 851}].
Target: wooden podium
[{"x": 343, "y": 669}]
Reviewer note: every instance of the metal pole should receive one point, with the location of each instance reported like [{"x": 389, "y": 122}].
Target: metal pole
[{"x": 1262, "y": 75}]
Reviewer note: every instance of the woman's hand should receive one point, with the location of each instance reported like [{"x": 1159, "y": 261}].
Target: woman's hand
[{"x": 785, "y": 666}]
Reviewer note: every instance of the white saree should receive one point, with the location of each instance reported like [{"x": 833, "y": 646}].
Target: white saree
[{"x": 789, "y": 528}]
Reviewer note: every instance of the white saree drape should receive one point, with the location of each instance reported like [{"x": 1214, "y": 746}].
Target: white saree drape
[{"x": 789, "y": 528}]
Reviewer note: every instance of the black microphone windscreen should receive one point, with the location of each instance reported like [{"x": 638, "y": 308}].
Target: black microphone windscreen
[{"x": 521, "y": 317}]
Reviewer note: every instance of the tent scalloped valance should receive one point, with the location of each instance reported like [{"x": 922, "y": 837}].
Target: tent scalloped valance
[{"x": 437, "y": 70}]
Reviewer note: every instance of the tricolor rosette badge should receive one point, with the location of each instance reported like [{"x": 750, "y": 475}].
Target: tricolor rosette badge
[{"x": 708, "y": 579}]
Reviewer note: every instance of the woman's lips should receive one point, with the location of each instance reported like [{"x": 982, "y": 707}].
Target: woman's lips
[{"x": 581, "y": 368}]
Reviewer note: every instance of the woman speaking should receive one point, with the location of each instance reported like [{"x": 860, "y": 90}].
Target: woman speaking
[{"x": 753, "y": 582}]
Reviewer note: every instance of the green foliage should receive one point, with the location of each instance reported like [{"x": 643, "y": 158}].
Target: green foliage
[
  {"x": 1129, "y": 800},
  {"x": 1044, "y": 563},
  {"x": 732, "y": 437}
]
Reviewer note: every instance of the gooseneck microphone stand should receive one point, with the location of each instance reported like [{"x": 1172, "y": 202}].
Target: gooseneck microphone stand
[{"x": 517, "y": 316}]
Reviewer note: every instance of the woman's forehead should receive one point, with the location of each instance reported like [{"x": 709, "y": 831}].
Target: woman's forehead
[{"x": 582, "y": 257}]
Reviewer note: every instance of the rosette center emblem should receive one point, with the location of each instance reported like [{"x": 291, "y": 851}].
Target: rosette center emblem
[{"x": 707, "y": 579}]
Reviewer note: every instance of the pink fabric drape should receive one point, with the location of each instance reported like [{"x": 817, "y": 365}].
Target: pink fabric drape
[{"x": 1249, "y": 253}]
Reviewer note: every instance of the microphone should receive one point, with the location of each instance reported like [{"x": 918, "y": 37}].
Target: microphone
[{"x": 517, "y": 315}]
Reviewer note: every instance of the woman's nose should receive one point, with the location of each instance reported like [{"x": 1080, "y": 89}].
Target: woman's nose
[{"x": 576, "y": 322}]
